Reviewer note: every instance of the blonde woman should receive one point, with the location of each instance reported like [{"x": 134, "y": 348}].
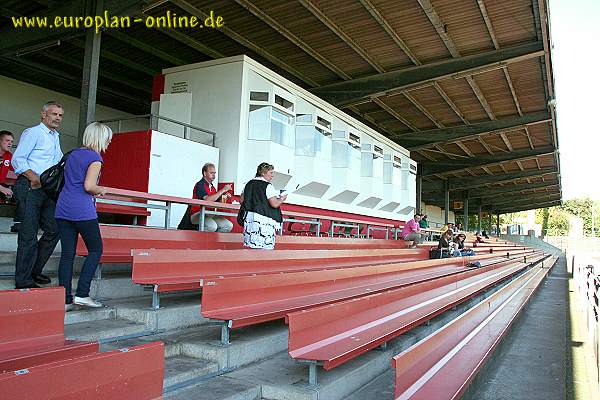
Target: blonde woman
[
  {"x": 76, "y": 212},
  {"x": 262, "y": 202}
]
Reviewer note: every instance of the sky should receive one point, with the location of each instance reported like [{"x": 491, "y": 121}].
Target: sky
[{"x": 575, "y": 35}]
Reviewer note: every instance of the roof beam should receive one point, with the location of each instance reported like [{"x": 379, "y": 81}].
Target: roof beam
[
  {"x": 424, "y": 139},
  {"x": 528, "y": 204},
  {"x": 118, "y": 59},
  {"x": 361, "y": 89},
  {"x": 520, "y": 188},
  {"x": 267, "y": 19},
  {"x": 424, "y": 110},
  {"x": 445, "y": 168},
  {"x": 452, "y": 105},
  {"x": 389, "y": 30},
  {"x": 530, "y": 207},
  {"x": 104, "y": 73},
  {"x": 396, "y": 115},
  {"x": 192, "y": 10},
  {"x": 325, "y": 20},
  {"x": 191, "y": 42},
  {"x": 61, "y": 75},
  {"x": 148, "y": 48},
  {"x": 480, "y": 181},
  {"x": 439, "y": 26}
]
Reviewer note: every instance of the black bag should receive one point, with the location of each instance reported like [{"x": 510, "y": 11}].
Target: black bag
[
  {"x": 435, "y": 253},
  {"x": 186, "y": 224},
  {"x": 53, "y": 179},
  {"x": 241, "y": 217}
]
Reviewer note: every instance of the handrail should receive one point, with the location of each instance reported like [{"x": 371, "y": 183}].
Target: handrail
[
  {"x": 207, "y": 206},
  {"x": 185, "y": 125}
]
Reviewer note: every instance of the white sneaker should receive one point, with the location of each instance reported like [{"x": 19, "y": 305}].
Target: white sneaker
[
  {"x": 87, "y": 301},
  {"x": 69, "y": 307}
]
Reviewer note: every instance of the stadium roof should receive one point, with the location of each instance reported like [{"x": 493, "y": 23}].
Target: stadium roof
[{"x": 465, "y": 85}]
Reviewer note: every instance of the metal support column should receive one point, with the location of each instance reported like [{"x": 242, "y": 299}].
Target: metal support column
[
  {"x": 419, "y": 189},
  {"x": 466, "y": 209},
  {"x": 91, "y": 62},
  {"x": 498, "y": 224},
  {"x": 479, "y": 217},
  {"x": 490, "y": 221},
  {"x": 446, "y": 201}
]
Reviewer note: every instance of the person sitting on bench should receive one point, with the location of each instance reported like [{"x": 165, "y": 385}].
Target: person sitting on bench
[
  {"x": 204, "y": 190},
  {"x": 460, "y": 251},
  {"x": 412, "y": 231}
]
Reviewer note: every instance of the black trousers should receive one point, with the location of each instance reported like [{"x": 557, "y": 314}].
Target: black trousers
[{"x": 37, "y": 211}]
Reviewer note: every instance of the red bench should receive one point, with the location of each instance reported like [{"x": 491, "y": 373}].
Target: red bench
[
  {"x": 118, "y": 242},
  {"x": 333, "y": 334},
  {"x": 246, "y": 300},
  {"x": 442, "y": 365},
  {"x": 176, "y": 270},
  {"x": 32, "y": 332},
  {"x": 128, "y": 373},
  {"x": 36, "y": 362}
]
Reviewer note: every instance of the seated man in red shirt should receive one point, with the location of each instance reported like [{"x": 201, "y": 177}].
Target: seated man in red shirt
[
  {"x": 412, "y": 231},
  {"x": 6, "y": 141},
  {"x": 204, "y": 190}
]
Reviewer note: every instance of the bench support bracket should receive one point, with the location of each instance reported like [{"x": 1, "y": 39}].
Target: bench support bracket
[
  {"x": 225, "y": 333},
  {"x": 155, "y": 298},
  {"x": 312, "y": 371}
]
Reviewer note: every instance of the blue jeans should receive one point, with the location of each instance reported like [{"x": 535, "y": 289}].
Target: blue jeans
[
  {"x": 69, "y": 231},
  {"x": 36, "y": 211}
]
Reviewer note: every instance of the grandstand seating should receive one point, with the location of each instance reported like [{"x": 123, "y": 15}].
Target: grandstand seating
[
  {"x": 247, "y": 300},
  {"x": 443, "y": 364},
  {"x": 335, "y": 333}
]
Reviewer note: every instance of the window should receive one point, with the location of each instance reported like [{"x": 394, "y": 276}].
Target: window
[
  {"x": 259, "y": 96},
  {"x": 313, "y": 142},
  {"x": 266, "y": 123},
  {"x": 306, "y": 118},
  {"x": 345, "y": 156},
  {"x": 324, "y": 123},
  {"x": 288, "y": 105}
]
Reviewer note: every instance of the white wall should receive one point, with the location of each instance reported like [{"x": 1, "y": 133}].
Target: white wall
[
  {"x": 175, "y": 167},
  {"x": 21, "y": 103}
]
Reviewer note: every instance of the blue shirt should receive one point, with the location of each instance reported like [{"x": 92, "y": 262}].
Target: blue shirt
[
  {"x": 38, "y": 150},
  {"x": 74, "y": 203}
]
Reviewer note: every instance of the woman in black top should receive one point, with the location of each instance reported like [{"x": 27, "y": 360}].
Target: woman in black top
[{"x": 262, "y": 203}]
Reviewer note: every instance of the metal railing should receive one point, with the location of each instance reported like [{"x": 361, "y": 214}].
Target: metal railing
[{"x": 189, "y": 132}]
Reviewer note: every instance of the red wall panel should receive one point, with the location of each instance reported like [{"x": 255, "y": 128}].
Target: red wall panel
[{"x": 127, "y": 161}]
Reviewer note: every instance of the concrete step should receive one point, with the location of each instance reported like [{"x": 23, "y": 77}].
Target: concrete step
[
  {"x": 108, "y": 288},
  {"x": 8, "y": 242},
  {"x": 181, "y": 369},
  {"x": 103, "y": 329},
  {"x": 219, "y": 388},
  {"x": 178, "y": 310},
  {"x": 86, "y": 314},
  {"x": 8, "y": 260},
  {"x": 247, "y": 345}
]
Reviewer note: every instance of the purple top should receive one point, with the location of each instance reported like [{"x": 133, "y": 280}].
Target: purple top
[{"x": 74, "y": 203}]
